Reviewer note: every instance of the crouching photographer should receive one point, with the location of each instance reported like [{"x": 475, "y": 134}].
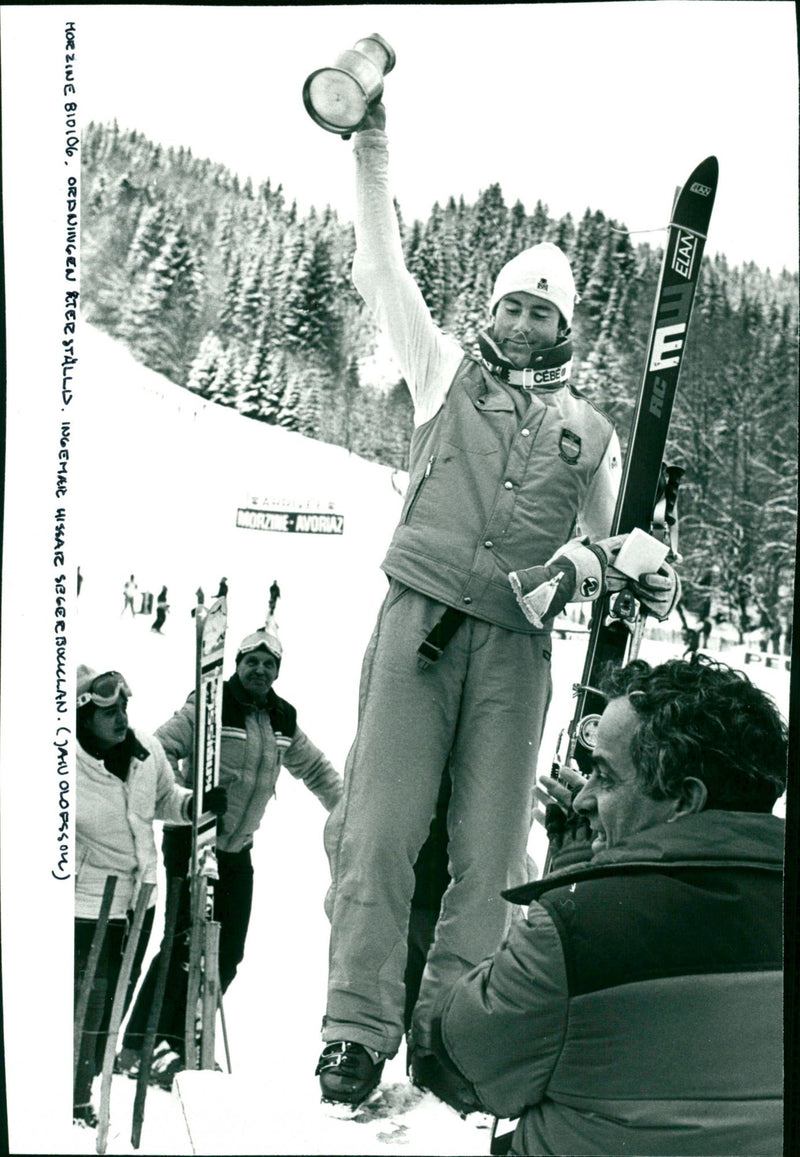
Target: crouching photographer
[{"x": 638, "y": 1006}]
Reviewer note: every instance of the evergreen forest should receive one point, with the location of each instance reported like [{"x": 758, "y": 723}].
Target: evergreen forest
[{"x": 227, "y": 290}]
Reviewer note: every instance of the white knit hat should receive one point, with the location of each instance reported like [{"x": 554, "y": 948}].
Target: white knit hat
[
  {"x": 543, "y": 271},
  {"x": 85, "y": 677}
]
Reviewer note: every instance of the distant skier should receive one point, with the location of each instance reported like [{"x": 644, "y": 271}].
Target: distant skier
[
  {"x": 162, "y": 606},
  {"x": 778, "y": 633},
  {"x": 123, "y": 782},
  {"x": 200, "y": 599},
  {"x": 705, "y": 632},
  {"x": 770, "y": 629},
  {"x": 690, "y": 635},
  {"x": 691, "y": 640},
  {"x": 506, "y": 458},
  {"x": 704, "y": 618},
  {"x": 223, "y": 588},
  {"x": 129, "y": 591},
  {"x": 259, "y": 735},
  {"x": 274, "y": 595}
]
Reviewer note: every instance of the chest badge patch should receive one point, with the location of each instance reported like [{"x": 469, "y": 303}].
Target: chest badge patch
[{"x": 569, "y": 447}]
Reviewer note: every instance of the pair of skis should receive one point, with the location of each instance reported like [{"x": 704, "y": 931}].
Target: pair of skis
[
  {"x": 647, "y": 489},
  {"x": 118, "y": 1003},
  {"x": 203, "y": 994},
  {"x": 87, "y": 981}
]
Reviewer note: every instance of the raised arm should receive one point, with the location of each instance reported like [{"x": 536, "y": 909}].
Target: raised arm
[{"x": 427, "y": 358}]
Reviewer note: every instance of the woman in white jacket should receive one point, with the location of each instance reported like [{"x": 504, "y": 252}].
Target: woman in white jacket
[{"x": 124, "y": 783}]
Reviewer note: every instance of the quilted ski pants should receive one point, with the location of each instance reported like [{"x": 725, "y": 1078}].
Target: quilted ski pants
[{"x": 482, "y": 706}]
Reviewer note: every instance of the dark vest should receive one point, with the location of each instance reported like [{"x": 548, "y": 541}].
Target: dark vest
[
  {"x": 282, "y": 715},
  {"x": 666, "y": 963}
]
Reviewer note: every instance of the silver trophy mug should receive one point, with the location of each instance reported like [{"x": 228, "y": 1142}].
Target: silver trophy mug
[{"x": 338, "y": 97}]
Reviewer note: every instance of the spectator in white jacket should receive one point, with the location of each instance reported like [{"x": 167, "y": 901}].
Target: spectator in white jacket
[{"x": 124, "y": 783}]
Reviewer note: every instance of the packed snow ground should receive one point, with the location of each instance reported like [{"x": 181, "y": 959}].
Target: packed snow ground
[{"x": 160, "y": 475}]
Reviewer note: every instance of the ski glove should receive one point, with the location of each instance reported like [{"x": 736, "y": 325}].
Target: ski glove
[
  {"x": 215, "y": 800},
  {"x": 581, "y": 571},
  {"x": 569, "y": 836},
  {"x": 658, "y": 592},
  {"x": 578, "y": 572},
  {"x": 433, "y": 1069}
]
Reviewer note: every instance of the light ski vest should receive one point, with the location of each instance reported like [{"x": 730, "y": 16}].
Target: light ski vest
[{"x": 494, "y": 486}]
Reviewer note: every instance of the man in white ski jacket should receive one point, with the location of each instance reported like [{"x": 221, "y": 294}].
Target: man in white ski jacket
[{"x": 506, "y": 461}]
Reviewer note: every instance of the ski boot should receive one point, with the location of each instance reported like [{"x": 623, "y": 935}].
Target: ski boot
[
  {"x": 84, "y": 1115},
  {"x": 127, "y": 1062},
  {"x": 348, "y": 1073},
  {"x": 165, "y": 1064}
]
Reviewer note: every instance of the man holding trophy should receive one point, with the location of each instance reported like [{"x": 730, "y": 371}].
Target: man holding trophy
[{"x": 506, "y": 460}]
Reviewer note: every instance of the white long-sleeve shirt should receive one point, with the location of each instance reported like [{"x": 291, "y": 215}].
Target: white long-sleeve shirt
[{"x": 427, "y": 357}]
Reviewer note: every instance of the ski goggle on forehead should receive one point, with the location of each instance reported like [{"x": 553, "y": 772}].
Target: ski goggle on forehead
[
  {"x": 105, "y": 690},
  {"x": 258, "y": 641}
]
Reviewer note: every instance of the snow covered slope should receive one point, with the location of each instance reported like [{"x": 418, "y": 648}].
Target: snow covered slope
[{"x": 160, "y": 476}]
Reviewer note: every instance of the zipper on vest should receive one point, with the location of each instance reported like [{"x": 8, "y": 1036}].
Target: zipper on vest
[{"x": 425, "y": 476}]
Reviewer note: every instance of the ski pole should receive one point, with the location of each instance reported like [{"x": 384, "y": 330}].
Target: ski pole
[
  {"x": 117, "y": 1010},
  {"x": 149, "y": 1040},
  {"x": 224, "y": 1031}
]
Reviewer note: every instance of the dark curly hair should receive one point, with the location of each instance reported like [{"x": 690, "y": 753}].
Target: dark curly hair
[{"x": 704, "y": 719}]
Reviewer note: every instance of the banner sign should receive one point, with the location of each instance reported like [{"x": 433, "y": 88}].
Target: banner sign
[{"x": 290, "y": 521}]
